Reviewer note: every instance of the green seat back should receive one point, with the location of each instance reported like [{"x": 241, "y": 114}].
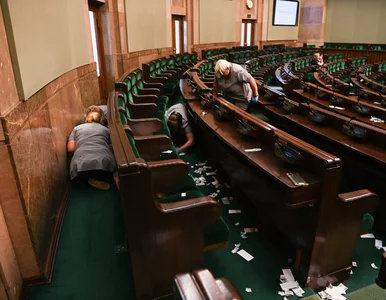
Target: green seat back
[{"x": 132, "y": 144}]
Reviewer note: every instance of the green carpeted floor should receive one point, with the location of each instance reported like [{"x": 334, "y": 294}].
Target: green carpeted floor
[{"x": 86, "y": 266}]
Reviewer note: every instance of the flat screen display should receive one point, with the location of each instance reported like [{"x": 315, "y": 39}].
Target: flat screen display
[{"x": 285, "y": 13}]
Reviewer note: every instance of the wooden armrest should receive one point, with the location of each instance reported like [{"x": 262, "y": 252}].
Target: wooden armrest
[
  {"x": 145, "y": 99},
  {"x": 157, "y": 79},
  {"x": 165, "y": 74},
  {"x": 154, "y": 85},
  {"x": 228, "y": 289},
  {"x": 208, "y": 285},
  {"x": 151, "y": 146},
  {"x": 166, "y": 174},
  {"x": 145, "y": 110},
  {"x": 363, "y": 200},
  {"x": 187, "y": 287},
  {"x": 186, "y": 205},
  {"x": 149, "y": 91},
  {"x": 145, "y": 126}
]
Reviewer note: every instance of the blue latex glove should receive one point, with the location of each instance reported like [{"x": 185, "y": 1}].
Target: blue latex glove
[{"x": 255, "y": 99}]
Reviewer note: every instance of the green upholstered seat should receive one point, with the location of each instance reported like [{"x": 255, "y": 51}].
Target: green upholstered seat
[
  {"x": 367, "y": 223},
  {"x": 216, "y": 233}
]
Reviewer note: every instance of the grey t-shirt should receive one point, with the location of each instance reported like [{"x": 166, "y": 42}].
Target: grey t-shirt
[
  {"x": 92, "y": 149},
  {"x": 236, "y": 87},
  {"x": 180, "y": 108}
]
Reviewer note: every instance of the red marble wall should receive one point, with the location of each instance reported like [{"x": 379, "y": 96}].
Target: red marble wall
[{"x": 33, "y": 161}]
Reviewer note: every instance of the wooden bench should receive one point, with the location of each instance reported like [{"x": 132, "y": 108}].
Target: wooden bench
[
  {"x": 314, "y": 217},
  {"x": 164, "y": 238}
]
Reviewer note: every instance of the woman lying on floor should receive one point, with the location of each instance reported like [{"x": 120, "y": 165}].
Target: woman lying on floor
[{"x": 93, "y": 160}]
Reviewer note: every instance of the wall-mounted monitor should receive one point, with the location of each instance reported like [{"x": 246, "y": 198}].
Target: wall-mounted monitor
[{"x": 285, "y": 13}]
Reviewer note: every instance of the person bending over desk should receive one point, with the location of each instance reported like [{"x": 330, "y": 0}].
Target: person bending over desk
[
  {"x": 238, "y": 85},
  {"x": 179, "y": 126}
]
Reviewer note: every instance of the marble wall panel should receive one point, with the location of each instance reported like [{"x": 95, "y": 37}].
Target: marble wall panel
[
  {"x": 15, "y": 218},
  {"x": 8, "y": 91},
  {"x": 8, "y": 262}
]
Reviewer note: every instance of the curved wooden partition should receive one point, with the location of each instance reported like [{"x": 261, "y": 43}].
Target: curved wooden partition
[{"x": 313, "y": 216}]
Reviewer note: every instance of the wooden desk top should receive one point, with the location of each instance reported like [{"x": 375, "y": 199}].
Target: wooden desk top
[
  {"x": 187, "y": 91},
  {"x": 348, "y": 112},
  {"x": 265, "y": 160}
]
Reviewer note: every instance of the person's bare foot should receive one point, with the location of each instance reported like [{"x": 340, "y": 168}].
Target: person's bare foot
[{"x": 100, "y": 185}]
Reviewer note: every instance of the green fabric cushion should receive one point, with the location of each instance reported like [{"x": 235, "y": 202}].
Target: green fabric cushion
[
  {"x": 367, "y": 223},
  {"x": 163, "y": 100},
  {"x": 216, "y": 233},
  {"x": 170, "y": 88},
  {"x": 186, "y": 184},
  {"x": 132, "y": 144}
]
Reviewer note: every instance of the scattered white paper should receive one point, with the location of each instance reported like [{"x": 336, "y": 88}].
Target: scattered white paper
[
  {"x": 251, "y": 230},
  {"x": 200, "y": 164},
  {"x": 368, "y": 236},
  {"x": 288, "y": 293},
  {"x": 354, "y": 264},
  {"x": 285, "y": 298},
  {"x": 288, "y": 275},
  {"x": 282, "y": 278},
  {"x": 207, "y": 167},
  {"x": 225, "y": 201},
  {"x": 237, "y": 224},
  {"x": 374, "y": 266},
  {"x": 298, "y": 291},
  {"x": 211, "y": 173},
  {"x": 285, "y": 286},
  {"x": 281, "y": 293},
  {"x": 183, "y": 194},
  {"x": 244, "y": 254},
  {"x": 192, "y": 167},
  {"x": 181, "y": 153},
  {"x": 377, "y": 103},
  {"x": 351, "y": 272},
  {"x": 236, "y": 248},
  {"x": 234, "y": 211},
  {"x": 167, "y": 151},
  {"x": 378, "y": 244},
  {"x": 248, "y": 290},
  {"x": 384, "y": 249},
  {"x": 244, "y": 235},
  {"x": 204, "y": 113},
  {"x": 253, "y": 150}
]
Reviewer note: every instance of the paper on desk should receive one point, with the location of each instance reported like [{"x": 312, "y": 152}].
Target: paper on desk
[
  {"x": 225, "y": 201},
  {"x": 234, "y": 211},
  {"x": 374, "y": 266},
  {"x": 368, "y": 236},
  {"x": 183, "y": 194},
  {"x": 354, "y": 264},
  {"x": 248, "y": 290},
  {"x": 298, "y": 291},
  {"x": 378, "y": 244},
  {"x": 253, "y": 150},
  {"x": 167, "y": 151},
  {"x": 244, "y": 254}
]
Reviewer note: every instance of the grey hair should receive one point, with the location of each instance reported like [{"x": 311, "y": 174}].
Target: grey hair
[{"x": 221, "y": 66}]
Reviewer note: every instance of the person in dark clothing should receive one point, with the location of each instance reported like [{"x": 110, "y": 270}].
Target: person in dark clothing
[{"x": 317, "y": 60}]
